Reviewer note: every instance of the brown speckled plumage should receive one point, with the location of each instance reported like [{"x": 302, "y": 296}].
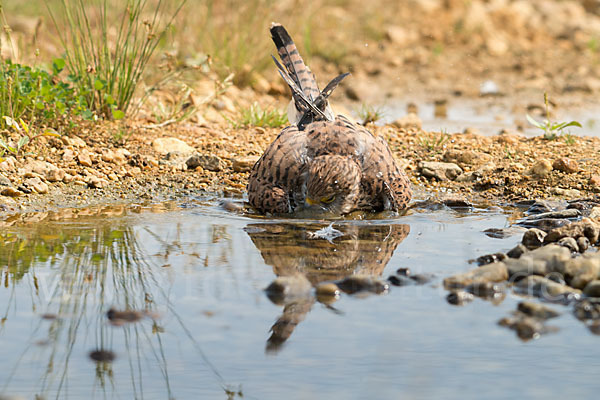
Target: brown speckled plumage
[{"x": 337, "y": 166}]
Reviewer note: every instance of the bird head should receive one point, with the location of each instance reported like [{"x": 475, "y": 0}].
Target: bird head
[{"x": 333, "y": 184}]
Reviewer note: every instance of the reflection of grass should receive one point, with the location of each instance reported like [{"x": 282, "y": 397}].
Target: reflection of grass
[{"x": 76, "y": 271}]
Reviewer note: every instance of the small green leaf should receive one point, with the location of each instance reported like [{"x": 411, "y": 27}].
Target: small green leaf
[
  {"x": 534, "y": 122},
  {"x": 24, "y": 125},
  {"x": 118, "y": 114},
  {"x": 572, "y": 123},
  {"x": 98, "y": 84},
  {"x": 23, "y": 141},
  {"x": 87, "y": 114},
  {"x": 50, "y": 132},
  {"x": 58, "y": 64}
]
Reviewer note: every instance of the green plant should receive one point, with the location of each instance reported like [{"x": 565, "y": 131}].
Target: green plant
[
  {"x": 569, "y": 139},
  {"x": 433, "y": 141},
  {"x": 370, "y": 114},
  {"x": 26, "y": 134},
  {"x": 256, "y": 116},
  {"x": 105, "y": 58},
  {"x": 551, "y": 129}
]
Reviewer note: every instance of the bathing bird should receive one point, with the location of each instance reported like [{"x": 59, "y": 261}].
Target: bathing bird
[{"x": 322, "y": 161}]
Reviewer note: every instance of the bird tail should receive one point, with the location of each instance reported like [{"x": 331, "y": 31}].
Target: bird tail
[{"x": 298, "y": 71}]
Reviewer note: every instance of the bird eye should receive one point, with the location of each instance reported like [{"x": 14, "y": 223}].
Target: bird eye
[{"x": 328, "y": 200}]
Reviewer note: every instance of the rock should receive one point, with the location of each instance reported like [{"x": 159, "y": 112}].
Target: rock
[
  {"x": 541, "y": 169},
  {"x": 97, "y": 183},
  {"x": 486, "y": 290},
  {"x": 231, "y": 206},
  {"x": 121, "y": 156},
  {"x": 537, "y": 310},
  {"x": 583, "y": 244},
  {"x": 490, "y": 258},
  {"x": 108, "y": 156},
  {"x": 83, "y": 158},
  {"x": 501, "y": 233},
  {"x": 495, "y": 272},
  {"x": 517, "y": 251},
  {"x": 286, "y": 288},
  {"x": 68, "y": 155},
  {"x": 533, "y": 238},
  {"x": 545, "y": 288},
  {"x": 206, "y": 161},
  {"x": 580, "y": 271},
  {"x": 587, "y": 309},
  {"x": 77, "y": 141},
  {"x": 526, "y": 327},
  {"x": 566, "y": 165},
  {"x": 592, "y": 289},
  {"x": 408, "y": 122},
  {"x": 103, "y": 356},
  {"x": 568, "y": 213},
  {"x": 569, "y": 243},
  {"x": 400, "y": 280},
  {"x": 541, "y": 261},
  {"x": 8, "y": 164},
  {"x": 4, "y": 181},
  {"x": 37, "y": 185},
  {"x": 466, "y": 157},
  {"x": 585, "y": 227},
  {"x": 459, "y": 298},
  {"x": 594, "y": 181},
  {"x": 357, "y": 283},
  {"x": 400, "y": 36},
  {"x": 545, "y": 224},
  {"x": 50, "y": 172},
  {"x": 439, "y": 170},
  {"x": 170, "y": 144},
  {"x": 489, "y": 88},
  {"x": 11, "y": 192},
  {"x": 421, "y": 279},
  {"x": 244, "y": 164},
  {"x": 403, "y": 271}
]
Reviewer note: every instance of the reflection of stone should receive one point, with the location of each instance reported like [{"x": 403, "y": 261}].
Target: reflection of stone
[
  {"x": 364, "y": 249},
  {"x": 292, "y": 249}
]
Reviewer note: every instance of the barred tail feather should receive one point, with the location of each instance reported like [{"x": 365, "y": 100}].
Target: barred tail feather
[{"x": 293, "y": 62}]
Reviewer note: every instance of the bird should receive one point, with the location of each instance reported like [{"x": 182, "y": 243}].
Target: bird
[{"x": 322, "y": 161}]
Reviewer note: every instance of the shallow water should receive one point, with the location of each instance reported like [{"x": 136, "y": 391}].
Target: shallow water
[{"x": 201, "y": 271}]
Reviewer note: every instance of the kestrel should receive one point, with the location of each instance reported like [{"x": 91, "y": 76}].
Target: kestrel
[{"x": 322, "y": 161}]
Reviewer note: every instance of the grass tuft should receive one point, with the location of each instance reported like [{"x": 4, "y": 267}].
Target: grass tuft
[
  {"x": 551, "y": 130},
  {"x": 256, "y": 116}
]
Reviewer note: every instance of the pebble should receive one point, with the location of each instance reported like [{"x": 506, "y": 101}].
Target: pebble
[
  {"x": 594, "y": 181},
  {"x": 581, "y": 270},
  {"x": 485, "y": 289},
  {"x": 585, "y": 227},
  {"x": 11, "y": 192},
  {"x": 545, "y": 224},
  {"x": 565, "y": 164},
  {"x": 327, "y": 289},
  {"x": 533, "y": 238},
  {"x": 244, "y": 164},
  {"x": 206, "y": 161},
  {"x": 400, "y": 280},
  {"x": 4, "y": 181},
  {"x": 587, "y": 309},
  {"x": 357, "y": 283},
  {"x": 592, "y": 289},
  {"x": 459, "y": 298},
  {"x": 526, "y": 327},
  {"x": 583, "y": 244},
  {"x": 537, "y": 310},
  {"x": 490, "y": 258},
  {"x": 50, "y": 172},
  {"x": 517, "y": 251},
  {"x": 541, "y": 261},
  {"x": 229, "y": 205},
  {"x": 569, "y": 243},
  {"x": 489, "y": 88},
  {"x": 570, "y": 213},
  {"x": 83, "y": 158},
  {"x": 421, "y": 279},
  {"x": 404, "y": 271},
  {"x": 545, "y": 288},
  {"x": 170, "y": 145},
  {"x": 37, "y": 185},
  {"x": 541, "y": 169},
  {"x": 439, "y": 170},
  {"x": 495, "y": 272},
  {"x": 466, "y": 157},
  {"x": 118, "y": 318},
  {"x": 102, "y": 356}
]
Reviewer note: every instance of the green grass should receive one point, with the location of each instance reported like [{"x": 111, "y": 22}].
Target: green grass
[
  {"x": 551, "y": 130},
  {"x": 370, "y": 114},
  {"x": 106, "y": 57},
  {"x": 256, "y": 116},
  {"x": 434, "y": 141}
]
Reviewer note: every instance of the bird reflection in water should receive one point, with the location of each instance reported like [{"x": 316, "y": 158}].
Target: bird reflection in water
[{"x": 293, "y": 250}]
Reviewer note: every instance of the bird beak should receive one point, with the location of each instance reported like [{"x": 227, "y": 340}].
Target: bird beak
[{"x": 311, "y": 202}]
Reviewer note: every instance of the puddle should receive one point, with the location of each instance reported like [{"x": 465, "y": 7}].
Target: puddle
[
  {"x": 489, "y": 116},
  {"x": 207, "y": 329}
]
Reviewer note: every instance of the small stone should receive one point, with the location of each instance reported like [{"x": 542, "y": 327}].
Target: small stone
[
  {"x": 231, "y": 206},
  {"x": 4, "y": 181},
  {"x": 592, "y": 289},
  {"x": 77, "y": 141},
  {"x": 121, "y": 156},
  {"x": 357, "y": 283},
  {"x": 459, "y": 298},
  {"x": 541, "y": 261},
  {"x": 466, "y": 157},
  {"x": 585, "y": 227},
  {"x": 583, "y": 244},
  {"x": 11, "y": 192},
  {"x": 408, "y": 122},
  {"x": 581, "y": 270},
  {"x": 244, "y": 164},
  {"x": 489, "y": 88},
  {"x": 103, "y": 356},
  {"x": 50, "y": 172},
  {"x": 83, "y": 158},
  {"x": 569, "y": 243},
  {"x": 404, "y": 271},
  {"x": 490, "y": 258},
  {"x": 206, "y": 161},
  {"x": 594, "y": 181},
  {"x": 517, "y": 251},
  {"x": 170, "y": 144},
  {"x": 541, "y": 169},
  {"x": 587, "y": 309},
  {"x": 485, "y": 289},
  {"x": 108, "y": 156},
  {"x": 545, "y": 288},
  {"x": 400, "y": 280},
  {"x": 421, "y": 279},
  {"x": 37, "y": 185},
  {"x": 8, "y": 164},
  {"x": 495, "y": 272},
  {"x": 68, "y": 178},
  {"x": 97, "y": 183},
  {"x": 68, "y": 155},
  {"x": 533, "y": 238},
  {"x": 439, "y": 170},
  {"x": 537, "y": 310},
  {"x": 566, "y": 165}
]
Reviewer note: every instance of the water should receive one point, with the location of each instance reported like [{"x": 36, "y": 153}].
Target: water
[{"x": 201, "y": 271}]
